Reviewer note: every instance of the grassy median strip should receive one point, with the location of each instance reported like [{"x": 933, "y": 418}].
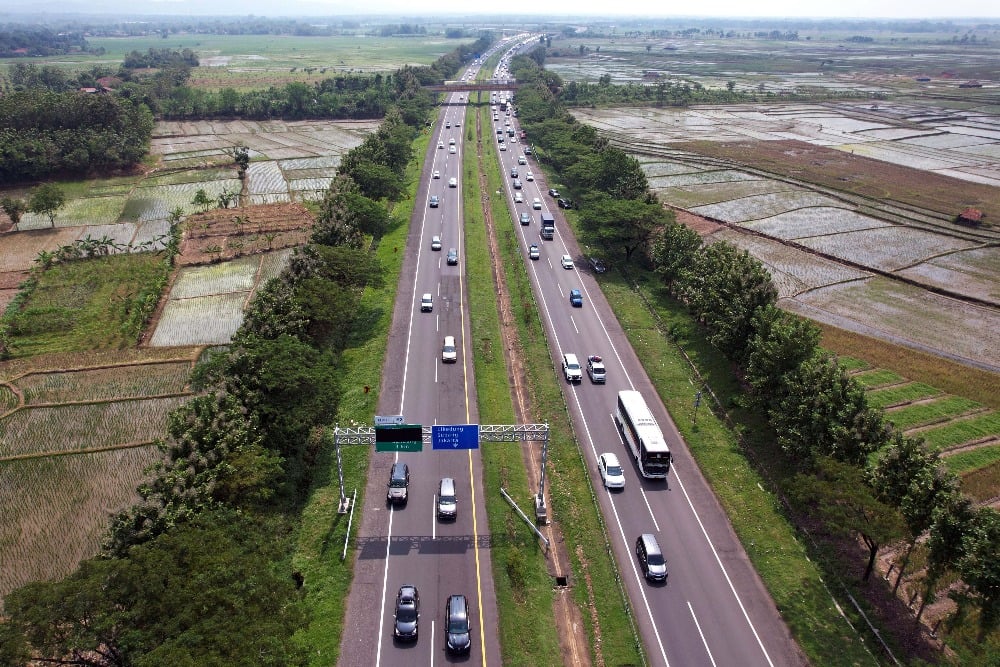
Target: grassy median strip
[
  {"x": 524, "y": 585},
  {"x": 322, "y": 531}
]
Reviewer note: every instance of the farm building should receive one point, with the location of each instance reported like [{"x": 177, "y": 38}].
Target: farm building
[{"x": 970, "y": 216}]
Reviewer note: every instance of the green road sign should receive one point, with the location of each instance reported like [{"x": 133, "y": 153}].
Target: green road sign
[{"x": 399, "y": 438}]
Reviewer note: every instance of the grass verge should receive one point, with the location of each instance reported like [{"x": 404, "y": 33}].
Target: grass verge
[
  {"x": 794, "y": 581},
  {"x": 524, "y": 585},
  {"x": 321, "y": 530}
]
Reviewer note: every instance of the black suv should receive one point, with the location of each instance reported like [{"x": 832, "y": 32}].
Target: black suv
[
  {"x": 457, "y": 632},
  {"x": 399, "y": 480},
  {"x": 407, "y": 613},
  {"x": 564, "y": 203}
]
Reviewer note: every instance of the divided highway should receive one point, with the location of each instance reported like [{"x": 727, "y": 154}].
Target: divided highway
[{"x": 713, "y": 610}]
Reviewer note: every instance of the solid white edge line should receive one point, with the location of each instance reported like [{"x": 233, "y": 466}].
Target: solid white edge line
[{"x": 385, "y": 582}]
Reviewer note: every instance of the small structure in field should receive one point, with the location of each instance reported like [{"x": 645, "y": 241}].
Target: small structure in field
[
  {"x": 970, "y": 84},
  {"x": 970, "y": 216}
]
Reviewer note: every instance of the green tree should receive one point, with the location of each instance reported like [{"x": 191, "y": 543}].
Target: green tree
[
  {"x": 673, "y": 250},
  {"x": 980, "y": 567},
  {"x": 824, "y": 412},
  {"x": 206, "y": 593},
  {"x": 202, "y": 199},
  {"x": 375, "y": 181},
  {"x": 951, "y": 521},
  {"x": 288, "y": 384},
  {"x": 724, "y": 287},
  {"x": 910, "y": 477},
  {"x": 622, "y": 224},
  {"x": 838, "y": 494},
  {"x": 14, "y": 208},
  {"x": 781, "y": 342},
  {"x": 213, "y": 455},
  {"x": 46, "y": 200}
]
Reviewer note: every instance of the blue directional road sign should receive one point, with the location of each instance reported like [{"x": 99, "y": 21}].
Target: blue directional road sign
[{"x": 455, "y": 436}]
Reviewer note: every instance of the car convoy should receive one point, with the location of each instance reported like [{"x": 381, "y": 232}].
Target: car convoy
[{"x": 457, "y": 625}]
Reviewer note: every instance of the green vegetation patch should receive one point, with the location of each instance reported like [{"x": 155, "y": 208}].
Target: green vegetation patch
[
  {"x": 927, "y": 413},
  {"x": 960, "y": 431},
  {"x": 852, "y": 363},
  {"x": 976, "y": 459},
  {"x": 523, "y": 584},
  {"x": 911, "y": 391},
  {"x": 87, "y": 304},
  {"x": 877, "y": 377}
]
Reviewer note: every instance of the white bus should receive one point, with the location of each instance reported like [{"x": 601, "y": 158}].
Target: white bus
[{"x": 636, "y": 424}]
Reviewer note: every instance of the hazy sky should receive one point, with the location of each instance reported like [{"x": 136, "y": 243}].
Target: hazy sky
[
  {"x": 916, "y": 9},
  {"x": 734, "y": 8}
]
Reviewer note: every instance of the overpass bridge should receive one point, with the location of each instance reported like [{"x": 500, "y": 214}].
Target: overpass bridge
[{"x": 473, "y": 86}]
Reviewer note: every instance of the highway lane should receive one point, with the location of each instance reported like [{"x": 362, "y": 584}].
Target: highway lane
[
  {"x": 714, "y": 610},
  {"x": 407, "y": 544}
]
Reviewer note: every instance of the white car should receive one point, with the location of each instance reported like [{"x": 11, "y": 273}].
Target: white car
[
  {"x": 571, "y": 368},
  {"x": 536, "y": 204},
  {"x": 503, "y": 147},
  {"x": 522, "y": 160},
  {"x": 452, "y": 182},
  {"x": 451, "y": 142},
  {"x": 451, "y": 149},
  {"x": 529, "y": 176},
  {"x": 426, "y": 303},
  {"x": 449, "y": 353},
  {"x": 566, "y": 261},
  {"x": 611, "y": 471},
  {"x": 518, "y": 197},
  {"x": 440, "y": 144},
  {"x": 437, "y": 174}
]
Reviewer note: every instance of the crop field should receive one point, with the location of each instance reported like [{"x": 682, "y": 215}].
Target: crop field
[
  {"x": 814, "y": 221},
  {"x": 204, "y": 320},
  {"x": 844, "y": 128},
  {"x": 929, "y": 412},
  {"x": 827, "y": 200},
  {"x": 763, "y": 206},
  {"x": 906, "y": 314},
  {"x": 961, "y": 431},
  {"x": 886, "y": 248},
  {"x": 103, "y": 384},
  {"x": 975, "y": 270},
  {"x": 794, "y": 271},
  {"x": 235, "y": 276},
  {"x": 205, "y": 305},
  {"x": 911, "y": 391},
  {"x": 56, "y": 509},
  {"x": 71, "y": 427},
  {"x": 877, "y": 377}
]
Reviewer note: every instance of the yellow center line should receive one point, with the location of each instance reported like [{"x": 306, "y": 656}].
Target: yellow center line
[{"x": 472, "y": 479}]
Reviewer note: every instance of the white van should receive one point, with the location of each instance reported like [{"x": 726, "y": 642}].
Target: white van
[{"x": 447, "y": 503}]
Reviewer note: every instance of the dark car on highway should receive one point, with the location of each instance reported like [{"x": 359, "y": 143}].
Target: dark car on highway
[{"x": 407, "y": 613}]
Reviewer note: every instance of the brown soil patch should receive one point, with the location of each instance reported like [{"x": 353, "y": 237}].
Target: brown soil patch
[
  {"x": 862, "y": 176},
  {"x": 263, "y": 228},
  {"x": 703, "y": 226}
]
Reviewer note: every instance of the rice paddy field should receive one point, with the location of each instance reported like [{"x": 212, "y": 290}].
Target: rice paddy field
[
  {"x": 819, "y": 60},
  {"x": 205, "y": 305},
  {"x": 76, "y": 433},
  {"x": 965, "y": 432},
  {"x": 853, "y": 242},
  {"x": 248, "y": 62}
]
